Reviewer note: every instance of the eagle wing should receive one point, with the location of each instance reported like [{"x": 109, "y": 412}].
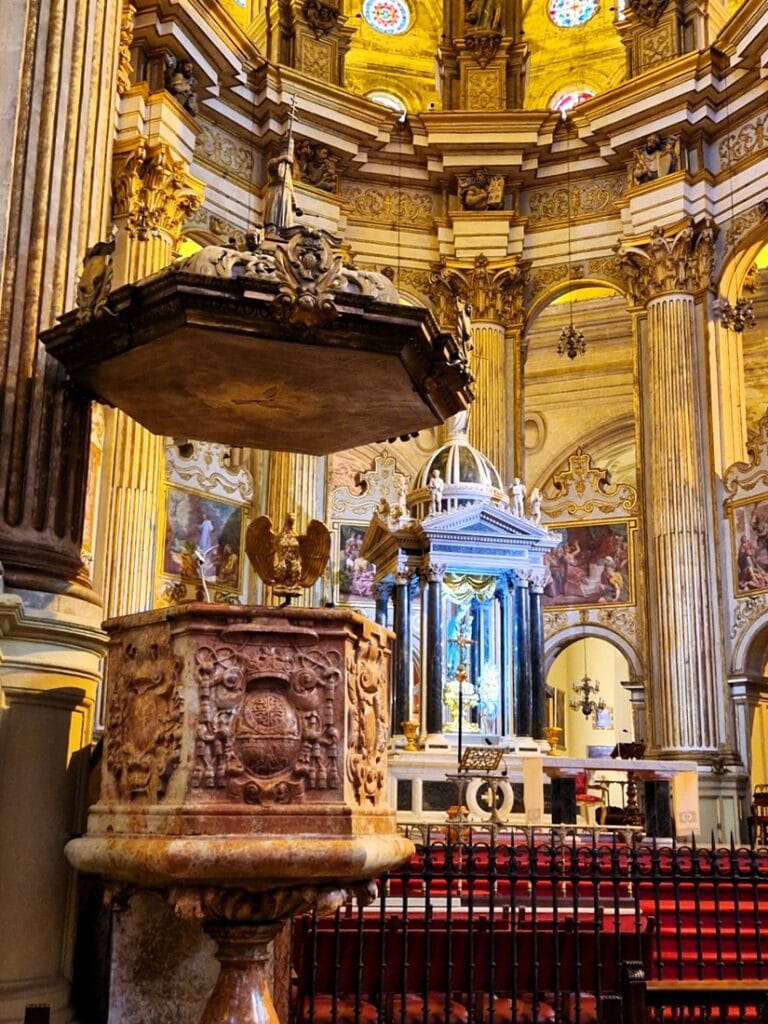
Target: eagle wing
[
  {"x": 314, "y": 547},
  {"x": 260, "y": 548}
]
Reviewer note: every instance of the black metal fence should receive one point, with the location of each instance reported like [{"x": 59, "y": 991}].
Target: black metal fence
[{"x": 513, "y": 926}]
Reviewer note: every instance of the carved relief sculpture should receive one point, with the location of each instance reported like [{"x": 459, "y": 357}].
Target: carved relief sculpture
[
  {"x": 321, "y": 17},
  {"x": 647, "y": 12},
  {"x": 480, "y": 190},
  {"x": 95, "y": 281}
]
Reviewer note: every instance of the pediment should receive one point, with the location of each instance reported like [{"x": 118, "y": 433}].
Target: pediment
[{"x": 486, "y": 520}]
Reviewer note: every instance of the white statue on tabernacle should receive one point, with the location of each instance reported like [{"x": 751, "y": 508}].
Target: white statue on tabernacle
[
  {"x": 534, "y": 504},
  {"x": 436, "y": 484},
  {"x": 518, "y": 498}
]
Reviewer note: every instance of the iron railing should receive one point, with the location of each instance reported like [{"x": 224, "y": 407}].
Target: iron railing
[{"x": 502, "y": 925}]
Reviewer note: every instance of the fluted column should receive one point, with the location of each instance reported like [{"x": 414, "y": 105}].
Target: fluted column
[
  {"x": 293, "y": 486},
  {"x": 726, "y": 367},
  {"x": 687, "y": 676},
  {"x": 56, "y": 122},
  {"x": 492, "y": 292}
]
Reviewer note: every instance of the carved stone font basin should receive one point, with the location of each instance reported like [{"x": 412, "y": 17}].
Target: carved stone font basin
[{"x": 244, "y": 774}]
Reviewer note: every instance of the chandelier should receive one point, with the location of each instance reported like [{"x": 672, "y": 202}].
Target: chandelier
[
  {"x": 571, "y": 342},
  {"x": 586, "y": 702},
  {"x": 738, "y": 316}
]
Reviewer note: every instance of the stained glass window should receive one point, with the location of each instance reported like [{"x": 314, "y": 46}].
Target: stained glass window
[
  {"x": 568, "y": 13},
  {"x": 565, "y": 101},
  {"x": 389, "y": 16}
]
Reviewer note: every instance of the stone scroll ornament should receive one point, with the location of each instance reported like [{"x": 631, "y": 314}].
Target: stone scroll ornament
[
  {"x": 95, "y": 281},
  {"x": 266, "y": 730},
  {"x": 144, "y": 720},
  {"x": 367, "y": 721}
]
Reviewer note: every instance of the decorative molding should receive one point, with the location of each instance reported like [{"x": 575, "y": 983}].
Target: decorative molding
[
  {"x": 580, "y": 201},
  {"x": 382, "y": 206},
  {"x": 483, "y": 44},
  {"x": 681, "y": 263},
  {"x": 315, "y": 58},
  {"x": 124, "y": 66},
  {"x": 745, "y": 140},
  {"x": 225, "y": 153},
  {"x": 309, "y": 273},
  {"x": 153, "y": 191},
  {"x": 657, "y": 46},
  {"x": 485, "y": 88},
  {"x": 382, "y": 483},
  {"x": 204, "y": 466},
  {"x": 584, "y": 490},
  {"x": 739, "y": 226},
  {"x": 745, "y": 611},
  {"x": 211, "y": 222}
]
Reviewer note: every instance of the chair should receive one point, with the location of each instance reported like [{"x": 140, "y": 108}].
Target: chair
[
  {"x": 760, "y": 815},
  {"x": 585, "y": 799}
]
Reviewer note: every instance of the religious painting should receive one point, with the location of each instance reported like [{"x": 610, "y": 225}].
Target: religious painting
[
  {"x": 354, "y": 574},
  {"x": 749, "y": 521},
  {"x": 593, "y": 565},
  {"x": 603, "y": 718},
  {"x": 201, "y": 532}
]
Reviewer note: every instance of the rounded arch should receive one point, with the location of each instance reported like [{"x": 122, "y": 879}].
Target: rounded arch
[
  {"x": 750, "y": 654},
  {"x": 570, "y": 634},
  {"x": 561, "y": 288},
  {"x": 737, "y": 260},
  {"x": 613, "y": 446}
]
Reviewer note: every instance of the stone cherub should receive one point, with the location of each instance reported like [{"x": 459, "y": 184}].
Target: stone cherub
[{"x": 287, "y": 561}]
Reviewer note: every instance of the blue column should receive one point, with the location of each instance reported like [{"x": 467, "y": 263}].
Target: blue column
[
  {"x": 435, "y": 647},
  {"x": 502, "y": 596},
  {"x": 523, "y": 694},
  {"x": 538, "y": 694},
  {"x": 403, "y": 654}
]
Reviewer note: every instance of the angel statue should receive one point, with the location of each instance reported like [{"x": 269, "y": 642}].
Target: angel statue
[{"x": 286, "y": 561}]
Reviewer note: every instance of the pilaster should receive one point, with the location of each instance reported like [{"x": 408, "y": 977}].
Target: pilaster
[
  {"x": 655, "y": 31},
  {"x": 671, "y": 274},
  {"x": 292, "y": 486}
]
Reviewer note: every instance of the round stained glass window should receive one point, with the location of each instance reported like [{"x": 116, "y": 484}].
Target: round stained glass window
[
  {"x": 569, "y": 13},
  {"x": 389, "y": 16}
]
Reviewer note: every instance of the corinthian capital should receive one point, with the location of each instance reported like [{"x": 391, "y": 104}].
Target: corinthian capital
[
  {"x": 493, "y": 288},
  {"x": 153, "y": 191},
  {"x": 683, "y": 262}
]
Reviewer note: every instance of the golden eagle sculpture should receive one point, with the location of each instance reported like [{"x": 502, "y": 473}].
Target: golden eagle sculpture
[{"x": 286, "y": 561}]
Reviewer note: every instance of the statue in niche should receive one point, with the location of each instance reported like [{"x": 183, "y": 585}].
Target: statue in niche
[
  {"x": 481, "y": 190},
  {"x": 657, "y": 158},
  {"x": 181, "y": 82},
  {"x": 316, "y": 165},
  {"x": 482, "y": 14},
  {"x": 280, "y": 207}
]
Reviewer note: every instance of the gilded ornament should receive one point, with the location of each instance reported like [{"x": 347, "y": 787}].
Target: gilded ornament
[
  {"x": 681, "y": 263},
  {"x": 124, "y": 67},
  {"x": 286, "y": 561}
]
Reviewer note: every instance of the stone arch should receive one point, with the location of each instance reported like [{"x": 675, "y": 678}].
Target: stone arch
[
  {"x": 547, "y": 296},
  {"x": 739, "y": 255},
  {"x": 747, "y": 658},
  {"x": 557, "y": 642}
]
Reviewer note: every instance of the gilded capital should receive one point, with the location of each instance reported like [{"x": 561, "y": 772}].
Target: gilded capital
[
  {"x": 153, "y": 191},
  {"x": 493, "y": 288},
  {"x": 683, "y": 262}
]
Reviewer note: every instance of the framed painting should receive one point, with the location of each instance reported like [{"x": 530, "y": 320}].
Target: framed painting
[
  {"x": 604, "y": 718},
  {"x": 201, "y": 531},
  {"x": 592, "y": 566},
  {"x": 353, "y": 573},
  {"x": 749, "y": 523}
]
